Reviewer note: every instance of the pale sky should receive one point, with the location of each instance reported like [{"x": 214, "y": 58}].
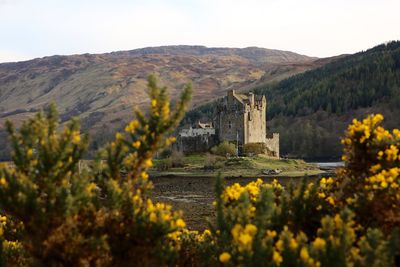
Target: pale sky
[{"x": 37, "y": 28}]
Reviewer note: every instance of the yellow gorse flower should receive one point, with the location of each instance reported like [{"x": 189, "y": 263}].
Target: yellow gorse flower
[
  {"x": 132, "y": 126},
  {"x": 392, "y": 153},
  {"x": 148, "y": 163},
  {"x": 319, "y": 243},
  {"x": 363, "y": 130},
  {"x": 243, "y": 236},
  {"x": 136, "y": 144},
  {"x": 119, "y": 136},
  {"x": 3, "y": 182},
  {"x": 180, "y": 223},
  {"x": 224, "y": 257},
  {"x": 90, "y": 187},
  {"x": 304, "y": 254},
  {"x": 144, "y": 175},
  {"x": 384, "y": 179},
  {"x": 233, "y": 192},
  {"x": 277, "y": 258},
  {"x": 76, "y": 138}
]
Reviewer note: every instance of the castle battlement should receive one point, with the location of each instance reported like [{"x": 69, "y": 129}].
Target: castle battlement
[{"x": 241, "y": 118}]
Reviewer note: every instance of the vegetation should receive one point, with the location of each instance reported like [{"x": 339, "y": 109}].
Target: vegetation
[
  {"x": 102, "y": 88},
  {"x": 213, "y": 162},
  {"x": 67, "y": 216},
  {"x": 224, "y": 149},
  {"x": 311, "y": 110},
  {"x": 355, "y": 81},
  {"x": 174, "y": 160},
  {"x": 57, "y": 214},
  {"x": 210, "y": 165},
  {"x": 346, "y": 221}
]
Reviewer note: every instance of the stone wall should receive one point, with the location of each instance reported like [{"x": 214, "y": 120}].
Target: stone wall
[
  {"x": 195, "y": 144},
  {"x": 255, "y": 121},
  {"x": 272, "y": 142},
  {"x": 241, "y": 118},
  {"x": 191, "y": 132},
  {"x": 230, "y": 120}
]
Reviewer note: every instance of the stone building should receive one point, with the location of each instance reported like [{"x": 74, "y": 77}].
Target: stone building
[
  {"x": 241, "y": 118},
  {"x": 199, "y": 138}
]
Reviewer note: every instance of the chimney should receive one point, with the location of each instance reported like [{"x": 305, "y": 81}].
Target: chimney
[{"x": 251, "y": 98}]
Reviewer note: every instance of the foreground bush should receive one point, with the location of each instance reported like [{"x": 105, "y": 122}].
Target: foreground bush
[
  {"x": 370, "y": 183},
  {"x": 350, "y": 220},
  {"x": 70, "y": 216},
  {"x": 262, "y": 224},
  {"x": 57, "y": 213}
]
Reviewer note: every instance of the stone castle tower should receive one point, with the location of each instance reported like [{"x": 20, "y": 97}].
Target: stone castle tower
[{"x": 241, "y": 118}]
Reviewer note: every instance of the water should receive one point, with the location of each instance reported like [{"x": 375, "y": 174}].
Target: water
[{"x": 329, "y": 164}]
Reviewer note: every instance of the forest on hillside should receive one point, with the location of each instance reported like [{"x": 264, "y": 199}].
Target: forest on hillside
[{"x": 311, "y": 110}]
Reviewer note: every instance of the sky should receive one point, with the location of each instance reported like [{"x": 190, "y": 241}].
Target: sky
[{"x": 321, "y": 28}]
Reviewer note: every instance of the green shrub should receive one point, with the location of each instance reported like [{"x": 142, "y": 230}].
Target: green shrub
[
  {"x": 166, "y": 153},
  {"x": 164, "y": 164},
  {"x": 174, "y": 160},
  {"x": 177, "y": 159},
  {"x": 212, "y": 162},
  {"x": 224, "y": 149}
]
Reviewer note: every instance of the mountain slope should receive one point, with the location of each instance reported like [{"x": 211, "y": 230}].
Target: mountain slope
[
  {"x": 360, "y": 80},
  {"x": 101, "y": 89},
  {"x": 311, "y": 110}
]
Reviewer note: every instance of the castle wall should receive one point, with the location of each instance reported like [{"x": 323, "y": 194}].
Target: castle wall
[
  {"x": 255, "y": 121},
  {"x": 272, "y": 143},
  {"x": 242, "y": 118},
  {"x": 191, "y": 132},
  {"x": 195, "y": 144},
  {"x": 230, "y": 121}
]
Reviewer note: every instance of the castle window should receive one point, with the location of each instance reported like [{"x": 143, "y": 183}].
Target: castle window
[{"x": 230, "y": 124}]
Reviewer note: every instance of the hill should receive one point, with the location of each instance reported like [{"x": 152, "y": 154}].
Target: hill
[
  {"x": 311, "y": 110},
  {"x": 101, "y": 89}
]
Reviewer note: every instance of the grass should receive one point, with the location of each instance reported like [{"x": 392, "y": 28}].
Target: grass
[
  {"x": 194, "y": 166},
  {"x": 233, "y": 167}
]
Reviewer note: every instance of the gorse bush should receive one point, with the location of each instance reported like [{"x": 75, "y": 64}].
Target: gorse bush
[
  {"x": 349, "y": 220},
  {"x": 56, "y": 213},
  {"x": 92, "y": 217},
  {"x": 370, "y": 183}
]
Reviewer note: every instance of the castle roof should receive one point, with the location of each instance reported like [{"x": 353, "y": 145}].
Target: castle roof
[
  {"x": 241, "y": 97},
  {"x": 204, "y": 125},
  {"x": 246, "y": 98}
]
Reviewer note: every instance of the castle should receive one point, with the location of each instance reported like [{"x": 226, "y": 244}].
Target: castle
[{"x": 240, "y": 119}]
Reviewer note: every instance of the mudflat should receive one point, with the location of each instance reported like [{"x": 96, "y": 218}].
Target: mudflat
[{"x": 195, "y": 195}]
